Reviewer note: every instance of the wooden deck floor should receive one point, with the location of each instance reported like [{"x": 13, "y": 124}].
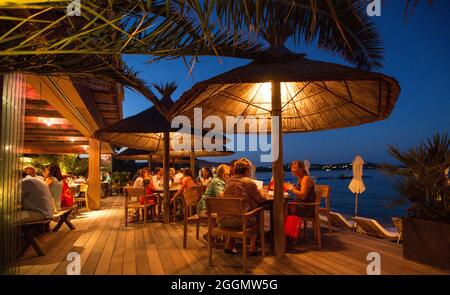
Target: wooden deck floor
[{"x": 106, "y": 246}]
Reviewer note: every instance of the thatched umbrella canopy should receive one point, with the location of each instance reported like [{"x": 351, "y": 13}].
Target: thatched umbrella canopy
[
  {"x": 301, "y": 94},
  {"x": 151, "y": 131},
  {"x": 177, "y": 157},
  {"x": 145, "y": 131},
  {"x": 143, "y": 155},
  {"x": 314, "y": 95}
]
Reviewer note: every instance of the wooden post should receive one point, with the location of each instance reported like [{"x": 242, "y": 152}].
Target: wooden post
[
  {"x": 277, "y": 170},
  {"x": 149, "y": 162},
  {"x": 166, "y": 192},
  {"x": 192, "y": 162},
  {"x": 356, "y": 211},
  {"x": 94, "y": 186}
]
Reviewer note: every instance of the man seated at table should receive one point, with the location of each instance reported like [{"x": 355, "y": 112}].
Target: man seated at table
[
  {"x": 32, "y": 172},
  {"x": 36, "y": 200},
  {"x": 240, "y": 185},
  {"x": 158, "y": 177}
]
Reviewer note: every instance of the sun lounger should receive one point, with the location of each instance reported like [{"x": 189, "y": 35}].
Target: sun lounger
[
  {"x": 373, "y": 228},
  {"x": 339, "y": 221}
]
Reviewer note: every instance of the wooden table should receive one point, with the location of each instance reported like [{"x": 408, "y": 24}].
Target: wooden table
[
  {"x": 160, "y": 191},
  {"x": 268, "y": 205}
]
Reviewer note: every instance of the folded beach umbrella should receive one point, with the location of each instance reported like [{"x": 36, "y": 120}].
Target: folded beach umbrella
[{"x": 356, "y": 185}]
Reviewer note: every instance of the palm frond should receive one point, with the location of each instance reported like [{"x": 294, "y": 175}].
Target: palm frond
[{"x": 166, "y": 89}]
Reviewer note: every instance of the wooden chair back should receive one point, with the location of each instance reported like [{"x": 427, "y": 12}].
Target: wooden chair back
[
  {"x": 83, "y": 188},
  {"x": 191, "y": 196},
  {"x": 133, "y": 192},
  {"x": 225, "y": 206},
  {"x": 323, "y": 191}
]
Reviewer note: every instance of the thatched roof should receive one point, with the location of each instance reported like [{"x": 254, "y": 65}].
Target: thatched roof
[
  {"x": 133, "y": 154},
  {"x": 315, "y": 95},
  {"x": 144, "y": 131},
  {"x": 136, "y": 154}
]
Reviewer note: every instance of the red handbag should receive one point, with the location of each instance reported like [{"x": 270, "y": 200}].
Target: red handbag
[{"x": 292, "y": 226}]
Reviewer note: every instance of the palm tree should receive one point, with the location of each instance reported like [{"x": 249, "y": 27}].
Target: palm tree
[
  {"x": 424, "y": 178},
  {"x": 41, "y": 38}
]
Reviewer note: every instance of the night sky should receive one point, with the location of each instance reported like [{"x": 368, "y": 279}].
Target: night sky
[{"x": 416, "y": 53}]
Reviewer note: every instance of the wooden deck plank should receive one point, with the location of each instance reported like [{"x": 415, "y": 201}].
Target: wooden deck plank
[
  {"x": 93, "y": 259},
  {"x": 129, "y": 258},
  {"x": 108, "y": 247},
  {"x": 106, "y": 255},
  {"x": 89, "y": 240}
]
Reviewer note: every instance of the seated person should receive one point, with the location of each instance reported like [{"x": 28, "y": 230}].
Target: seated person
[
  {"x": 158, "y": 178},
  {"x": 206, "y": 176},
  {"x": 145, "y": 180},
  {"x": 53, "y": 179},
  {"x": 186, "y": 183},
  {"x": 240, "y": 185},
  {"x": 32, "y": 172},
  {"x": 66, "y": 195},
  {"x": 214, "y": 189},
  {"x": 37, "y": 201},
  {"x": 304, "y": 190},
  {"x": 179, "y": 176},
  {"x": 171, "y": 174}
]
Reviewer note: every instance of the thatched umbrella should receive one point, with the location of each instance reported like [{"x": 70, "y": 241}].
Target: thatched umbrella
[
  {"x": 303, "y": 95},
  {"x": 143, "y": 155},
  {"x": 151, "y": 131},
  {"x": 177, "y": 157}
]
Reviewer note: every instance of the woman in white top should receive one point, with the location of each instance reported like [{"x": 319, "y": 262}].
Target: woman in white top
[
  {"x": 144, "y": 175},
  {"x": 53, "y": 179}
]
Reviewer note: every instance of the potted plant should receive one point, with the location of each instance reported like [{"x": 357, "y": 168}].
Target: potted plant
[{"x": 425, "y": 184}]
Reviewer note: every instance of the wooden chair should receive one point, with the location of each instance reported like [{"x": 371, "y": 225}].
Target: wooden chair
[
  {"x": 234, "y": 207},
  {"x": 132, "y": 193},
  {"x": 190, "y": 200},
  {"x": 315, "y": 219},
  {"x": 324, "y": 191},
  {"x": 84, "y": 198}
]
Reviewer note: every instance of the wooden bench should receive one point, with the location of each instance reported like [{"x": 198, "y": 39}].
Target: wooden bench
[
  {"x": 62, "y": 216},
  {"x": 30, "y": 231}
]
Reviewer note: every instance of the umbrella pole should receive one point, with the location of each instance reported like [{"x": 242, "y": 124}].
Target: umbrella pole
[
  {"x": 166, "y": 193},
  {"x": 192, "y": 162},
  {"x": 356, "y": 210},
  {"x": 277, "y": 171},
  {"x": 150, "y": 162}
]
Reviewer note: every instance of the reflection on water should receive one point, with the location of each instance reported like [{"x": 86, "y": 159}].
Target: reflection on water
[{"x": 373, "y": 203}]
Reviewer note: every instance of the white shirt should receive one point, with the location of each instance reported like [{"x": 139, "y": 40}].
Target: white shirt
[
  {"x": 139, "y": 182},
  {"x": 36, "y": 196},
  {"x": 178, "y": 177}
]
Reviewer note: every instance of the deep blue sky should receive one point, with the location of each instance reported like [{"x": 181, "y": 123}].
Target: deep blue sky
[{"x": 416, "y": 53}]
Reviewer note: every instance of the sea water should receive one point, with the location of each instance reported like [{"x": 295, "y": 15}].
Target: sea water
[{"x": 376, "y": 202}]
